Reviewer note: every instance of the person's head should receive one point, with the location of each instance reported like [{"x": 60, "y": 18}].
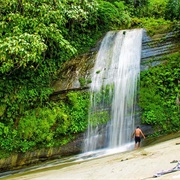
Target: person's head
[{"x": 137, "y": 127}]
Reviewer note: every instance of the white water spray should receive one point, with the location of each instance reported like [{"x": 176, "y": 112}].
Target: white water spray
[{"x": 113, "y": 90}]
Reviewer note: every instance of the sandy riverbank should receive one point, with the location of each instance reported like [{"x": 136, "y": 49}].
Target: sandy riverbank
[{"x": 138, "y": 164}]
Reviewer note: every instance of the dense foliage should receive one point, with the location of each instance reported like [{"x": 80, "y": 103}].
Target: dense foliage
[
  {"x": 160, "y": 95},
  {"x": 36, "y": 38},
  {"x": 42, "y": 126}
]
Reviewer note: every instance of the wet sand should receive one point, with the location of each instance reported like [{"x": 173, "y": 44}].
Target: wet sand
[{"x": 140, "y": 164}]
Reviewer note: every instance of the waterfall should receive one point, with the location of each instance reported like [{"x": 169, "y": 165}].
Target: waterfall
[{"x": 113, "y": 90}]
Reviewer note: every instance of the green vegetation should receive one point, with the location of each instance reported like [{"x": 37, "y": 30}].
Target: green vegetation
[
  {"x": 160, "y": 95},
  {"x": 38, "y": 36},
  {"x": 50, "y": 125},
  {"x": 100, "y": 99}
]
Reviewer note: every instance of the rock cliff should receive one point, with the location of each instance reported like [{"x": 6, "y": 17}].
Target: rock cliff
[{"x": 76, "y": 75}]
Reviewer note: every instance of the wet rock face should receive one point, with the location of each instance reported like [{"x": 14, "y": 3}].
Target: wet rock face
[
  {"x": 153, "y": 48},
  {"x": 75, "y": 74},
  {"x": 80, "y": 68}
]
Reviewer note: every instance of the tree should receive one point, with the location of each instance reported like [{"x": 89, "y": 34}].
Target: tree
[{"x": 173, "y": 10}]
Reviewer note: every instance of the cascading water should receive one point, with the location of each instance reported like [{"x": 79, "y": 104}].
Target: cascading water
[{"x": 113, "y": 90}]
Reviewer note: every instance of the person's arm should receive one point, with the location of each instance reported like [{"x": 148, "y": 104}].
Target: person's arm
[{"x": 143, "y": 135}]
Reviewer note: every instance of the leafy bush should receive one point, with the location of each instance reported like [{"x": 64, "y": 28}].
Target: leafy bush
[
  {"x": 78, "y": 111},
  {"x": 160, "y": 94},
  {"x": 42, "y": 126},
  {"x": 156, "y": 9},
  {"x": 112, "y": 15},
  {"x": 172, "y": 10},
  {"x": 152, "y": 25}
]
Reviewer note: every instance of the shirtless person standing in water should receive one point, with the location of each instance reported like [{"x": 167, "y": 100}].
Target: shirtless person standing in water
[{"x": 137, "y": 133}]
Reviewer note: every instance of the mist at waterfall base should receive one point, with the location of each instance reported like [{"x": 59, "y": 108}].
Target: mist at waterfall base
[{"x": 113, "y": 89}]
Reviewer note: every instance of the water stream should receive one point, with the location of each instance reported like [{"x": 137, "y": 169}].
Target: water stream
[{"x": 113, "y": 91}]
